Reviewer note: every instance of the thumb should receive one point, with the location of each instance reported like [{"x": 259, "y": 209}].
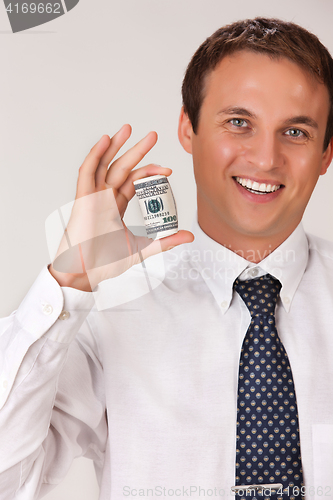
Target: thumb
[{"x": 167, "y": 243}]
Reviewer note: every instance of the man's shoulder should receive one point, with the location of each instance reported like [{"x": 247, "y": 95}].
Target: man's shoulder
[
  {"x": 320, "y": 245},
  {"x": 320, "y": 248}
]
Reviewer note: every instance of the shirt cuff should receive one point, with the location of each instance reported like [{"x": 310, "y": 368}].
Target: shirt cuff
[
  {"x": 47, "y": 311},
  {"x": 46, "y": 302}
]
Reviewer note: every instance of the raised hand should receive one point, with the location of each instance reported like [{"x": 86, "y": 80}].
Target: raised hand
[{"x": 96, "y": 244}]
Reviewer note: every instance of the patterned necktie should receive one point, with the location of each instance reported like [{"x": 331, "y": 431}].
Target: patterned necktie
[{"x": 268, "y": 448}]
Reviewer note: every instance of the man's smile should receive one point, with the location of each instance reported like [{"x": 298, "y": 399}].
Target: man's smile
[{"x": 256, "y": 187}]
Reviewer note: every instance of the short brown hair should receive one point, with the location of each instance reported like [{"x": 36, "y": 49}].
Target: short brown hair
[{"x": 273, "y": 37}]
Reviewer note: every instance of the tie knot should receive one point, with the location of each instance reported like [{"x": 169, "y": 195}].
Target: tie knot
[{"x": 260, "y": 294}]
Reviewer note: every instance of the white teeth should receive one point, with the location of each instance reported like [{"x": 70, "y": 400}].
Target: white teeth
[{"x": 256, "y": 187}]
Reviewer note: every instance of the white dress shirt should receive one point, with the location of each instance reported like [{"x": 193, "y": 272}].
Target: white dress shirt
[{"x": 142, "y": 375}]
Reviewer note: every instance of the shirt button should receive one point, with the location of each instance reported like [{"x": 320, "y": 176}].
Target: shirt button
[
  {"x": 224, "y": 304},
  {"x": 47, "y": 309},
  {"x": 64, "y": 315},
  {"x": 254, "y": 272},
  {"x": 5, "y": 384},
  {"x": 286, "y": 300}
]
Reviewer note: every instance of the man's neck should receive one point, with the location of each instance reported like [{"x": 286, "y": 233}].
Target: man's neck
[{"x": 252, "y": 248}]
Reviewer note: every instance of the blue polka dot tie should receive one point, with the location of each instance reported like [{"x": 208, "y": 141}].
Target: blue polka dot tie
[{"x": 267, "y": 447}]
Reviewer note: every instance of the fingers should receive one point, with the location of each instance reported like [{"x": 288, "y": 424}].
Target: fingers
[
  {"x": 120, "y": 169},
  {"x": 86, "y": 179},
  {"x": 117, "y": 141},
  {"x": 94, "y": 173},
  {"x": 127, "y": 189},
  {"x": 95, "y": 165}
]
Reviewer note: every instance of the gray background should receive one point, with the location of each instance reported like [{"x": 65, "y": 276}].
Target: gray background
[{"x": 65, "y": 83}]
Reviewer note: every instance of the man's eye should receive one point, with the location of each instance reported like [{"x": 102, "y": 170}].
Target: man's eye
[
  {"x": 238, "y": 122},
  {"x": 296, "y": 132}
]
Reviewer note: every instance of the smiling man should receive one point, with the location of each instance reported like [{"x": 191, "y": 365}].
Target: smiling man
[
  {"x": 218, "y": 380},
  {"x": 260, "y": 141},
  {"x": 257, "y": 118}
]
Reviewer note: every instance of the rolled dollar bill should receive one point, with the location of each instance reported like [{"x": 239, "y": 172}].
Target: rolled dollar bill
[{"x": 157, "y": 205}]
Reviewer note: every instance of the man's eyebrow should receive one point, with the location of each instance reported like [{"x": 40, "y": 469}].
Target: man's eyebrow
[
  {"x": 306, "y": 120},
  {"x": 236, "y": 110}
]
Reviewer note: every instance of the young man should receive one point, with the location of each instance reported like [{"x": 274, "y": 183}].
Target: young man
[{"x": 183, "y": 389}]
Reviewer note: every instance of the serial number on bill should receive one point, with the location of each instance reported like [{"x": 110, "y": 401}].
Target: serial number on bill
[{"x": 34, "y": 8}]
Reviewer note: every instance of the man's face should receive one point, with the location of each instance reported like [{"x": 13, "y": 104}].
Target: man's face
[{"x": 258, "y": 151}]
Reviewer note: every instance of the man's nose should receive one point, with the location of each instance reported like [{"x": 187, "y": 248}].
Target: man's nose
[{"x": 264, "y": 151}]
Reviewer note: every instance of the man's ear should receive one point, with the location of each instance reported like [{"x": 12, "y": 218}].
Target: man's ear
[
  {"x": 327, "y": 158},
  {"x": 185, "y": 131}
]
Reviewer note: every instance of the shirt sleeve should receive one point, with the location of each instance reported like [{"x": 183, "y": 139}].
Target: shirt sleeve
[{"x": 51, "y": 390}]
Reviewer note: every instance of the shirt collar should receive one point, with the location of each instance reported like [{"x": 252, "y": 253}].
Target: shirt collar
[{"x": 219, "y": 266}]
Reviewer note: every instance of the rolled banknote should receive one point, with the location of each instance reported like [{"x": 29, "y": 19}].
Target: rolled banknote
[{"x": 157, "y": 205}]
